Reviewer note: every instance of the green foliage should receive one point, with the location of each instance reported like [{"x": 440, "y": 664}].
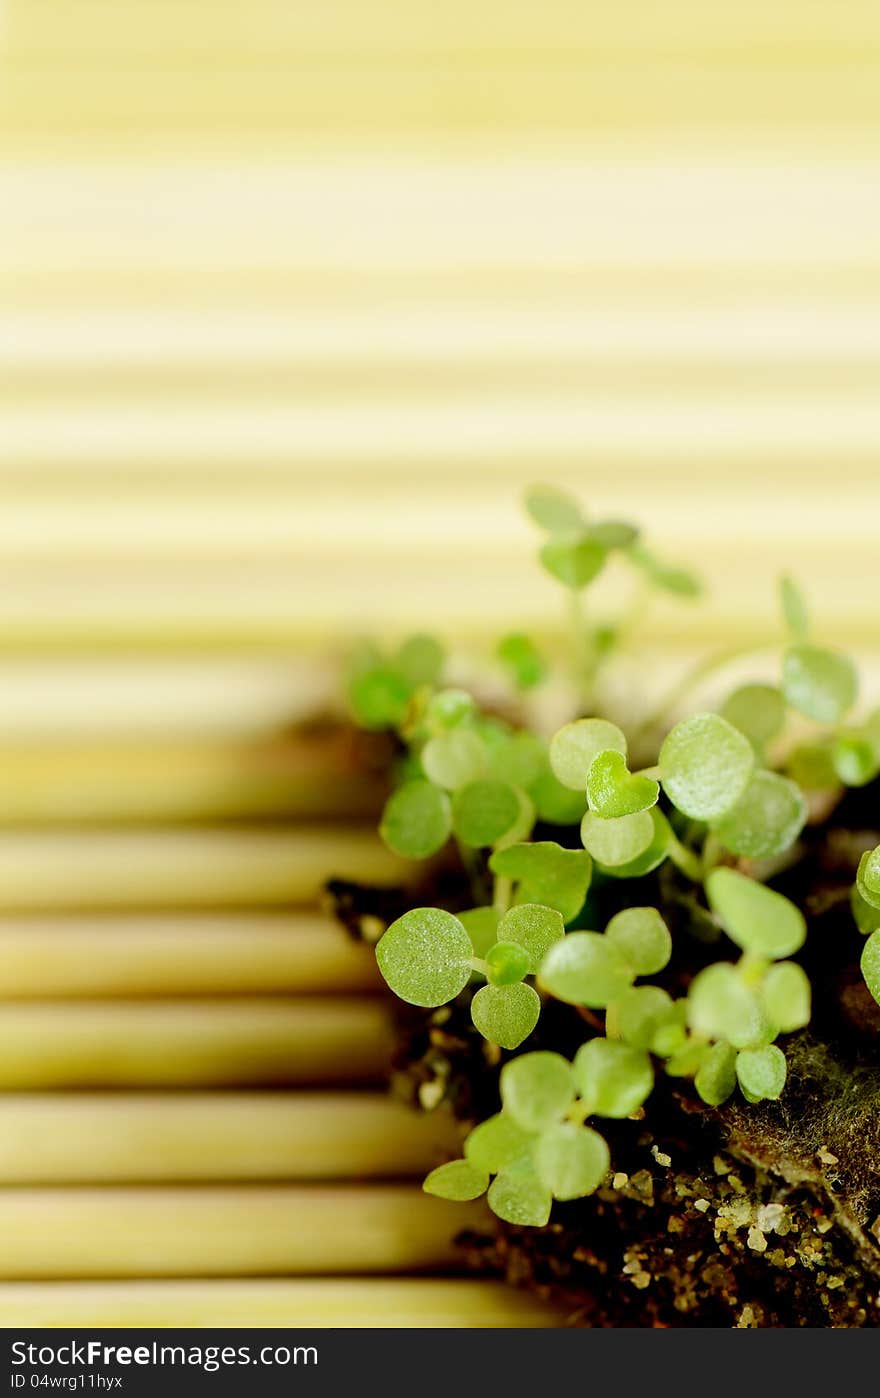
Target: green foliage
[
  {"x": 758, "y": 711},
  {"x": 506, "y": 963},
  {"x": 453, "y": 758},
  {"x": 483, "y": 811},
  {"x": 518, "y": 1196},
  {"x": 681, "y": 582},
  {"x": 716, "y": 1076},
  {"x": 870, "y": 964},
  {"x": 457, "y": 1179},
  {"x": 417, "y": 820},
  {"x": 720, "y": 1005},
  {"x": 546, "y": 873},
  {"x": 380, "y": 688},
  {"x": 761, "y": 1072},
  {"x": 574, "y": 561},
  {"x": 705, "y": 765},
  {"x": 575, "y": 747},
  {"x": 614, "y": 1079},
  {"x": 794, "y": 607},
  {"x": 523, "y": 659},
  {"x": 819, "y": 683},
  {"x": 506, "y": 1014},
  {"x": 639, "y": 1013},
  {"x": 481, "y": 925},
  {"x": 425, "y": 956},
  {"x": 855, "y": 756},
  {"x": 612, "y": 790},
  {"x": 571, "y": 1160},
  {"x": 496, "y": 1143},
  {"x": 554, "y": 511},
  {"x": 785, "y": 996},
  {"x": 537, "y": 1090},
  {"x": 643, "y": 938},
  {"x": 867, "y": 917},
  {"x": 585, "y": 968},
  {"x": 868, "y": 877},
  {"x": 619, "y": 841},
  {"x": 534, "y": 929},
  {"x": 767, "y": 818},
  {"x": 757, "y": 918}
]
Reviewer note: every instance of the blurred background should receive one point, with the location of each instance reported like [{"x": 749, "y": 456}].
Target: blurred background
[{"x": 294, "y": 301}]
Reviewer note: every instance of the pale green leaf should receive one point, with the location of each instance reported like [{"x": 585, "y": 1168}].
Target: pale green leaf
[
  {"x": 534, "y": 928},
  {"x": 767, "y": 818},
  {"x": 643, "y": 938},
  {"x": 574, "y": 748},
  {"x": 571, "y": 1161},
  {"x": 705, "y": 764},
  {"x": 613, "y": 1078},
  {"x": 819, "y": 683},
  {"x": 757, "y": 918},
  {"x": 417, "y": 820},
  {"x": 618, "y": 841},
  {"x": 537, "y": 1090},
  {"x": 506, "y": 1014},
  {"x": 584, "y": 968},
  {"x": 425, "y": 957},
  {"x": 761, "y": 1072},
  {"x": 458, "y": 1179}
]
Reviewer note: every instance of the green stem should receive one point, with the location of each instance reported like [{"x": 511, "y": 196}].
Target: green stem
[
  {"x": 712, "y": 852},
  {"x": 583, "y": 651},
  {"x": 686, "y": 860},
  {"x": 502, "y": 893}
]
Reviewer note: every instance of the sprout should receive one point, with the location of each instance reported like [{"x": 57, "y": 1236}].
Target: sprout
[
  {"x": 518, "y": 1196},
  {"x": 705, "y": 765},
  {"x": 643, "y": 938},
  {"x": 721, "y": 1006},
  {"x": 425, "y": 956},
  {"x": 868, "y": 877},
  {"x": 612, "y": 790},
  {"x": 458, "y": 1179},
  {"x": 417, "y": 820},
  {"x": 758, "y": 710},
  {"x": 755, "y": 917},
  {"x": 794, "y": 607},
  {"x": 618, "y": 841},
  {"x": 454, "y": 758},
  {"x": 546, "y": 873},
  {"x": 574, "y": 561},
  {"x": 506, "y": 963},
  {"x": 553, "y": 510},
  {"x": 767, "y": 818},
  {"x": 496, "y": 1143},
  {"x": 575, "y": 747},
  {"x": 537, "y": 1090},
  {"x": 523, "y": 659},
  {"x": 506, "y": 1014},
  {"x": 483, "y": 811},
  {"x": 785, "y": 996},
  {"x": 639, "y": 1014},
  {"x": 761, "y": 1072},
  {"x": 819, "y": 683},
  {"x": 533, "y": 929},
  {"x": 614, "y": 1079},
  {"x": 571, "y": 1160},
  {"x": 870, "y": 964},
  {"x": 716, "y": 1076},
  {"x": 585, "y": 968}
]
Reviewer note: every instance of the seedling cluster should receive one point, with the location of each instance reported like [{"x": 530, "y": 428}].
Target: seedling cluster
[{"x": 725, "y": 802}]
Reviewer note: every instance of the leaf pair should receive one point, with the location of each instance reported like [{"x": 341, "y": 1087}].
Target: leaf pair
[
  {"x": 380, "y": 688},
  {"x": 595, "y": 969}
]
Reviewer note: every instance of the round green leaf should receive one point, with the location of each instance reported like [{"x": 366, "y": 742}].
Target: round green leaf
[
  {"x": 506, "y": 1014},
  {"x": 612, "y": 790},
  {"x": 643, "y": 938},
  {"x": 679, "y": 581},
  {"x": 866, "y": 916},
  {"x": 481, "y": 925},
  {"x": 496, "y": 1143},
  {"x": 507, "y": 963},
  {"x": 537, "y": 1090},
  {"x": 716, "y": 1075},
  {"x": 819, "y": 683},
  {"x": 425, "y": 957},
  {"x": 556, "y": 804},
  {"x": 705, "y": 764},
  {"x": 420, "y": 660},
  {"x": 523, "y": 659},
  {"x": 379, "y": 696},
  {"x": 483, "y": 811},
  {"x": 649, "y": 859},
  {"x": 794, "y": 607},
  {"x": 575, "y": 747},
  {"x": 518, "y": 1196},
  {"x": 546, "y": 873},
  {"x": 586, "y": 969},
  {"x": 618, "y": 841},
  {"x": 448, "y": 707},
  {"x": 767, "y": 818},
  {"x": 868, "y": 877},
  {"x": 761, "y": 1072},
  {"x": 758, "y": 710},
  {"x": 572, "y": 1161},
  {"x": 721, "y": 1006},
  {"x": 417, "y": 820},
  {"x": 757, "y": 918},
  {"x": 856, "y": 757},
  {"x": 454, "y": 758},
  {"x": 811, "y": 765},
  {"x": 573, "y": 561},
  {"x": 785, "y": 996},
  {"x": 639, "y": 1013},
  {"x": 457, "y": 1179},
  {"x": 870, "y": 964},
  {"x": 534, "y": 928},
  {"x": 614, "y": 1079},
  {"x": 554, "y": 510},
  {"x": 520, "y": 759}
]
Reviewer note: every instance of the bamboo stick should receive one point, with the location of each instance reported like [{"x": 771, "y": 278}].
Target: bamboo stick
[
  {"x": 74, "y": 1138},
  {"x": 99, "y": 954},
  {"x": 420, "y": 1302},
  {"x": 192, "y": 1043},
  {"x": 223, "y": 1230},
  {"x": 318, "y": 775},
  {"x": 179, "y": 867}
]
